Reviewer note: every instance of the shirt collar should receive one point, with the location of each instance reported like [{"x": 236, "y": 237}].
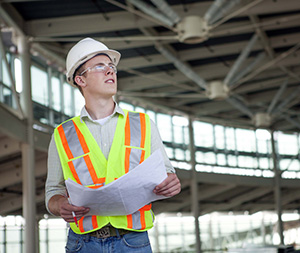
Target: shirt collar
[{"x": 84, "y": 113}]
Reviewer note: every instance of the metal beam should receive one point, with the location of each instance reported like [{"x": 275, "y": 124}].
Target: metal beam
[
  {"x": 240, "y": 106},
  {"x": 167, "y": 10},
  {"x": 255, "y": 193},
  {"x": 194, "y": 187},
  {"x": 12, "y": 204},
  {"x": 11, "y": 78},
  {"x": 240, "y": 60},
  {"x": 148, "y": 9},
  {"x": 269, "y": 64},
  {"x": 211, "y": 12},
  {"x": 286, "y": 101},
  {"x": 8, "y": 147},
  {"x": 182, "y": 67},
  {"x": 250, "y": 66},
  {"x": 224, "y": 9},
  {"x": 14, "y": 175},
  {"x": 277, "y": 97},
  {"x": 215, "y": 178},
  {"x": 28, "y": 152}
]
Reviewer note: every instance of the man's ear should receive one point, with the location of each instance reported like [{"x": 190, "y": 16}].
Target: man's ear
[{"x": 80, "y": 81}]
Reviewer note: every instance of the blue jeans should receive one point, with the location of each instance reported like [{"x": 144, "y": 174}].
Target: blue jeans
[{"x": 137, "y": 242}]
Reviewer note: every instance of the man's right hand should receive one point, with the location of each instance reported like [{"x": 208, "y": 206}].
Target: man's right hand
[{"x": 59, "y": 205}]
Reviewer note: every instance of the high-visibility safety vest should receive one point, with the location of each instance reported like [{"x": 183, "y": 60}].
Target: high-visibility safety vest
[{"x": 83, "y": 162}]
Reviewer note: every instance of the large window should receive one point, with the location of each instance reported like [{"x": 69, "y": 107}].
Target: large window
[
  {"x": 203, "y": 134},
  {"x": 68, "y": 99},
  {"x": 164, "y": 124},
  {"x": 39, "y": 85},
  {"x": 56, "y": 93}
]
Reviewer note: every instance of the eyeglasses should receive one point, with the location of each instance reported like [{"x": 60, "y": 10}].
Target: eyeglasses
[{"x": 100, "y": 69}]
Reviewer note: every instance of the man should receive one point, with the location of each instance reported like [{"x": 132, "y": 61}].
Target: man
[{"x": 96, "y": 148}]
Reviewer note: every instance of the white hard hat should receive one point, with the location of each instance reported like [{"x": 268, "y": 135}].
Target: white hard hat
[{"x": 83, "y": 51}]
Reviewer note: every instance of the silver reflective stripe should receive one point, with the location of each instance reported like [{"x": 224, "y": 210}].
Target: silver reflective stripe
[
  {"x": 87, "y": 223},
  {"x": 135, "y": 157},
  {"x": 135, "y": 129},
  {"x": 82, "y": 171},
  {"x": 136, "y": 220},
  {"x": 72, "y": 138}
]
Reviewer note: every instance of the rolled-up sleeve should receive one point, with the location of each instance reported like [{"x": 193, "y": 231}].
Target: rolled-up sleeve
[{"x": 55, "y": 180}]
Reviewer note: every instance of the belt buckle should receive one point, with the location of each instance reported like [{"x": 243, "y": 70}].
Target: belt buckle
[{"x": 103, "y": 233}]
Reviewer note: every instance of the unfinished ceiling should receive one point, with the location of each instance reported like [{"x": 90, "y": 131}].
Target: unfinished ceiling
[{"x": 229, "y": 62}]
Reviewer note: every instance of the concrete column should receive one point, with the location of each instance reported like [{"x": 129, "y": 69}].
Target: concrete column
[
  {"x": 28, "y": 156},
  {"x": 277, "y": 190},
  {"x": 50, "y": 97},
  {"x": 194, "y": 187},
  {"x": 156, "y": 237},
  {"x": 62, "y": 100}
]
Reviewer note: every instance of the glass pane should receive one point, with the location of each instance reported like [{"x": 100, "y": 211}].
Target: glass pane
[
  {"x": 56, "y": 103},
  {"x": 7, "y": 95},
  {"x": 220, "y": 138},
  {"x": 178, "y": 134},
  {"x": 18, "y": 75},
  {"x": 179, "y": 154},
  {"x": 221, "y": 159},
  {"x": 5, "y": 78},
  {"x": 232, "y": 160},
  {"x": 210, "y": 158},
  {"x": 230, "y": 138},
  {"x": 264, "y": 163},
  {"x": 164, "y": 126},
  {"x": 203, "y": 134},
  {"x": 39, "y": 86},
  {"x": 245, "y": 140},
  {"x": 287, "y": 143},
  {"x": 67, "y": 99}
]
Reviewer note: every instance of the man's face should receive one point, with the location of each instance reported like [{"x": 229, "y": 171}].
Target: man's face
[{"x": 100, "y": 79}]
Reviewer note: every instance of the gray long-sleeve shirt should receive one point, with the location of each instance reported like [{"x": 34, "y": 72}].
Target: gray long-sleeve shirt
[{"x": 103, "y": 135}]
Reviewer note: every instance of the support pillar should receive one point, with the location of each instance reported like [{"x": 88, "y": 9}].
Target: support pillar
[
  {"x": 194, "y": 187},
  {"x": 28, "y": 156},
  {"x": 277, "y": 190}
]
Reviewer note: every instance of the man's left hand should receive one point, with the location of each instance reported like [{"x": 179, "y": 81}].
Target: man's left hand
[{"x": 169, "y": 187}]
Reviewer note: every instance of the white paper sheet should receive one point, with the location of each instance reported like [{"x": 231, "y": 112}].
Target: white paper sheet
[{"x": 125, "y": 195}]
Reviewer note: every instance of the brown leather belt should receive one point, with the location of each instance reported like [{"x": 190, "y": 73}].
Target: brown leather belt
[{"x": 108, "y": 231}]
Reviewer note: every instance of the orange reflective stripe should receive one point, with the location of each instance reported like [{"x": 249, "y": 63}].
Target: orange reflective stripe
[
  {"x": 142, "y": 156},
  {"x": 74, "y": 173},
  {"x": 100, "y": 180},
  {"x": 99, "y": 183},
  {"x": 143, "y": 222},
  {"x": 142, "y": 213},
  {"x": 146, "y": 208},
  {"x": 143, "y": 129},
  {"x": 94, "y": 221},
  {"x": 129, "y": 221},
  {"x": 127, "y": 131},
  {"x": 95, "y": 186},
  {"x": 127, "y": 156},
  {"x": 65, "y": 142},
  {"x": 80, "y": 225},
  {"x": 81, "y": 140}
]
